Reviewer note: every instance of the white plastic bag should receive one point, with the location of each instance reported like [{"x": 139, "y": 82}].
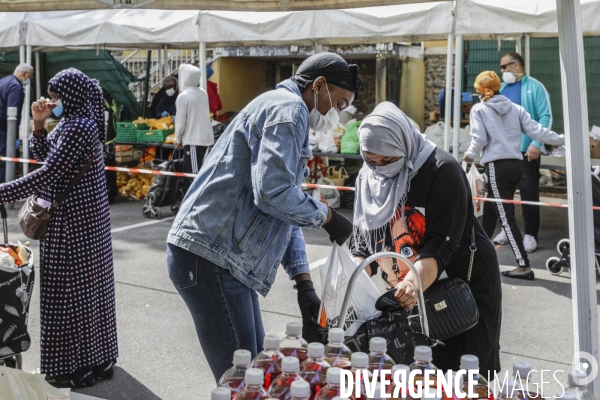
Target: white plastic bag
[
  {"x": 477, "y": 185},
  {"x": 435, "y": 133},
  {"x": 331, "y": 197},
  {"x": 18, "y": 385},
  {"x": 335, "y": 275},
  {"x": 313, "y": 140}
]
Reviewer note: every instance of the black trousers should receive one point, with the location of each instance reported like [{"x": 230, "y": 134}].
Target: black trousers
[
  {"x": 193, "y": 156},
  {"x": 530, "y": 191},
  {"x": 503, "y": 179}
]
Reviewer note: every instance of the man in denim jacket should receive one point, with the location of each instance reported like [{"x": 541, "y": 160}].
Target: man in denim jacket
[{"x": 241, "y": 217}]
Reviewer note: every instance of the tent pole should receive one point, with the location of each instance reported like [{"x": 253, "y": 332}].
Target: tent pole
[
  {"x": 147, "y": 82},
  {"x": 448, "y": 92},
  {"x": 26, "y": 113},
  {"x": 38, "y": 76},
  {"x": 202, "y": 63},
  {"x": 159, "y": 69},
  {"x": 579, "y": 189},
  {"x": 458, "y": 80},
  {"x": 166, "y": 60},
  {"x": 527, "y": 55}
]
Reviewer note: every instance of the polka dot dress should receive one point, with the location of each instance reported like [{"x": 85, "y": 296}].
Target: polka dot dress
[{"x": 77, "y": 293}]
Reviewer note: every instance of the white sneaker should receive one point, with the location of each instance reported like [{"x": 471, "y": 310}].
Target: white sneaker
[
  {"x": 529, "y": 243},
  {"x": 501, "y": 238}
]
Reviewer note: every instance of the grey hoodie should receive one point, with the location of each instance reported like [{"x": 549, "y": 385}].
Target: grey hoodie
[{"x": 496, "y": 127}]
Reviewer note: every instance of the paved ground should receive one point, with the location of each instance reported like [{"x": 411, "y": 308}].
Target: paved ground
[{"x": 160, "y": 357}]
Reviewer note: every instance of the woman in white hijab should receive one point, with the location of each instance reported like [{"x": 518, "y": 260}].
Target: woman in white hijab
[{"x": 414, "y": 199}]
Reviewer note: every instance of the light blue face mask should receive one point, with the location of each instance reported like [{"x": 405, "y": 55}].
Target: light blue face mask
[
  {"x": 58, "y": 110},
  {"x": 26, "y": 82}
]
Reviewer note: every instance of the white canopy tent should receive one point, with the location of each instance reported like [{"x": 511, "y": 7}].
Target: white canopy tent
[{"x": 569, "y": 19}]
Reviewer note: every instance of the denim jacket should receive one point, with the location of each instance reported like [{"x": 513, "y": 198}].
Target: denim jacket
[{"x": 245, "y": 208}]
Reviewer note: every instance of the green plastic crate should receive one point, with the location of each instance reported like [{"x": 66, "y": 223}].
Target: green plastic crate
[
  {"x": 157, "y": 136},
  {"x": 126, "y": 132}
]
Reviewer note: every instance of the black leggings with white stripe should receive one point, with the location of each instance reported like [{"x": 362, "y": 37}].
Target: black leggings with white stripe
[
  {"x": 503, "y": 178},
  {"x": 192, "y": 158}
]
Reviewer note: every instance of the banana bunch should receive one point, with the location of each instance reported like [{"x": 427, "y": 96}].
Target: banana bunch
[
  {"x": 156, "y": 124},
  {"x": 133, "y": 186}
]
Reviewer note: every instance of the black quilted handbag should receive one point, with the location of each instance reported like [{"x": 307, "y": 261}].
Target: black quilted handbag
[{"x": 450, "y": 305}]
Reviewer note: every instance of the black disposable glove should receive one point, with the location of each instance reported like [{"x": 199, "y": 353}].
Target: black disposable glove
[
  {"x": 338, "y": 227},
  {"x": 309, "y": 304}
]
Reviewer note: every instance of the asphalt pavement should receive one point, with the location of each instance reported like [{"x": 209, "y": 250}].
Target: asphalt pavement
[{"x": 160, "y": 357}]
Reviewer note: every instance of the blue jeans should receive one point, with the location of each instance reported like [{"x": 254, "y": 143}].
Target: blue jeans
[{"x": 226, "y": 312}]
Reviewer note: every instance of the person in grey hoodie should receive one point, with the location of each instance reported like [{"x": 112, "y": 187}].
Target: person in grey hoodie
[{"x": 496, "y": 126}]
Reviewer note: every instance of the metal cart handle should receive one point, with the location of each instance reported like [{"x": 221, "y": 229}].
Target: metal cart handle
[
  {"x": 4, "y": 215},
  {"x": 362, "y": 266}
]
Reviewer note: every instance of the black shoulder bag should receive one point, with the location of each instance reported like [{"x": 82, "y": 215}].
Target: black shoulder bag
[{"x": 451, "y": 307}]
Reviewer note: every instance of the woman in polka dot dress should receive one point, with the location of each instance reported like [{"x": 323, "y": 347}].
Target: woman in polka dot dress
[{"x": 77, "y": 294}]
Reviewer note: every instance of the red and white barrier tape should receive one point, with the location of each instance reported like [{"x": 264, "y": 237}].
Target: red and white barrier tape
[{"x": 307, "y": 185}]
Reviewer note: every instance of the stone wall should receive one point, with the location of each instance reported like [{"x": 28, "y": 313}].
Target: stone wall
[
  {"x": 366, "y": 100},
  {"x": 435, "y": 80}
]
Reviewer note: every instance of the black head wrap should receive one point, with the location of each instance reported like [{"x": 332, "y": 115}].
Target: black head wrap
[{"x": 333, "y": 68}]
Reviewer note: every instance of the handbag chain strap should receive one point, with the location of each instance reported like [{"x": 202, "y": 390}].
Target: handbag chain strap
[{"x": 473, "y": 248}]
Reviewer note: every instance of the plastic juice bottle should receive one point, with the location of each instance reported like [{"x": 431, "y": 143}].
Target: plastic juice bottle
[
  {"x": 575, "y": 385},
  {"x": 397, "y": 369},
  {"x": 332, "y": 388},
  {"x": 521, "y": 372},
  {"x": 337, "y": 354},
  {"x": 300, "y": 390},
  {"x": 481, "y": 388},
  {"x": 280, "y": 388},
  {"x": 220, "y": 393},
  {"x": 253, "y": 386},
  {"x": 292, "y": 345},
  {"x": 378, "y": 359},
  {"x": 269, "y": 360},
  {"x": 233, "y": 378},
  {"x": 360, "y": 361},
  {"x": 423, "y": 363},
  {"x": 509, "y": 391},
  {"x": 314, "y": 369},
  {"x": 378, "y": 392}
]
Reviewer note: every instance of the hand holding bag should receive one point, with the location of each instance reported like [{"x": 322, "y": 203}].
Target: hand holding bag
[{"x": 34, "y": 218}]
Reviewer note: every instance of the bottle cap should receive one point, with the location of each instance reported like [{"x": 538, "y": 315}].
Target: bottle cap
[
  {"x": 336, "y": 335},
  {"x": 290, "y": 364},
  {"x": 522, "y": 367},
  {"x": 254, "y": 376},
  {"x": 271, "y": 342},
  {"x": 378, "y": 344},
  {"x": 220, "y": 393},
  {"x": 333, "y": 375},
  {"x": 469, "y": 361},
  {"x": 576, "y": 377},
  {"x": 510, "y": 388},
  {"x": 293, "y": 328},
  {"x": 360, "y": 360},
  {"x": 316, "y": 350},
  {"x": 400, "y": 367},
  {"x": 241, "y": 357},
  {"x": 300, "y": 389},
  {"x": 423, "y": 353},
  {"x": 566, "y": 396}
]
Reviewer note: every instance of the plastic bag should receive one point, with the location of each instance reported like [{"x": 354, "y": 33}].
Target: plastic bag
[
  {"x": 477, "y": 185},
  {"x": 335, "y": 275},
  {"x": 331, "y": 197},
  {"x": 327, "y": 142},
  {"x": 435, "y": 133},
  {"x": 349, "y": 143},
  {"x": 17, "y": 385},
  {"x": 313, "y": 140}
]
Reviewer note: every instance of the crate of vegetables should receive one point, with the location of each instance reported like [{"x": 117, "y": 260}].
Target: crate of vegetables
[{"x": 152, "y": 136}]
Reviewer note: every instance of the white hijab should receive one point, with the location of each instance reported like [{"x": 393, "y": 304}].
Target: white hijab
[{"x": 387, "y": 131}]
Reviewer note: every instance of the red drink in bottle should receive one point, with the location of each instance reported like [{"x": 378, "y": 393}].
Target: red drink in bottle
[
  {"x": 233, "y": 378},
  {"x": 378, "y": 359},
  {"x": 220, "y": 393},
  {"x": 403, "y": 372},
  {"x": 332, "y": 388},
  {"x": 360, "y": 361},
  {"x": 337, "y": 354},
  {"x": 253, "y": 386},
  {"x": 269, "y": 360},
  {"x": 280, "y": 388},
  {"x": 292, "y": 345},
  {"x": 314, "y": 369},
  {"x": 481, "y": 387},
  {"x": 300, "y": 390}
]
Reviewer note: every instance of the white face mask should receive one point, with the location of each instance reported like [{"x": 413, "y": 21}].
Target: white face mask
[
  {"x": 390, "y": 170},
  {"x": 509, "y": 77},
  {"x": 170, "y": 92},
  {"x": 319, "y": 122}
]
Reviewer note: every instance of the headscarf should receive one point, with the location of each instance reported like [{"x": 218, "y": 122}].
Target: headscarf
[
  {"x": 487, "y": 84},
  {"x": 209, "y": 72},
  {"x": 387, "y": 131},
  {"x": 81, "y": 98},
  {"x": 333, "y": 68},
  {"x": 170, "y": 81}
]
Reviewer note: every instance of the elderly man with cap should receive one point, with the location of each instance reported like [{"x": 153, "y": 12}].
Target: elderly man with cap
[
  {"x": 496, "y": 126},
  {"x": 163, "y": 103},
  {"x": 242, "y": 217}
]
